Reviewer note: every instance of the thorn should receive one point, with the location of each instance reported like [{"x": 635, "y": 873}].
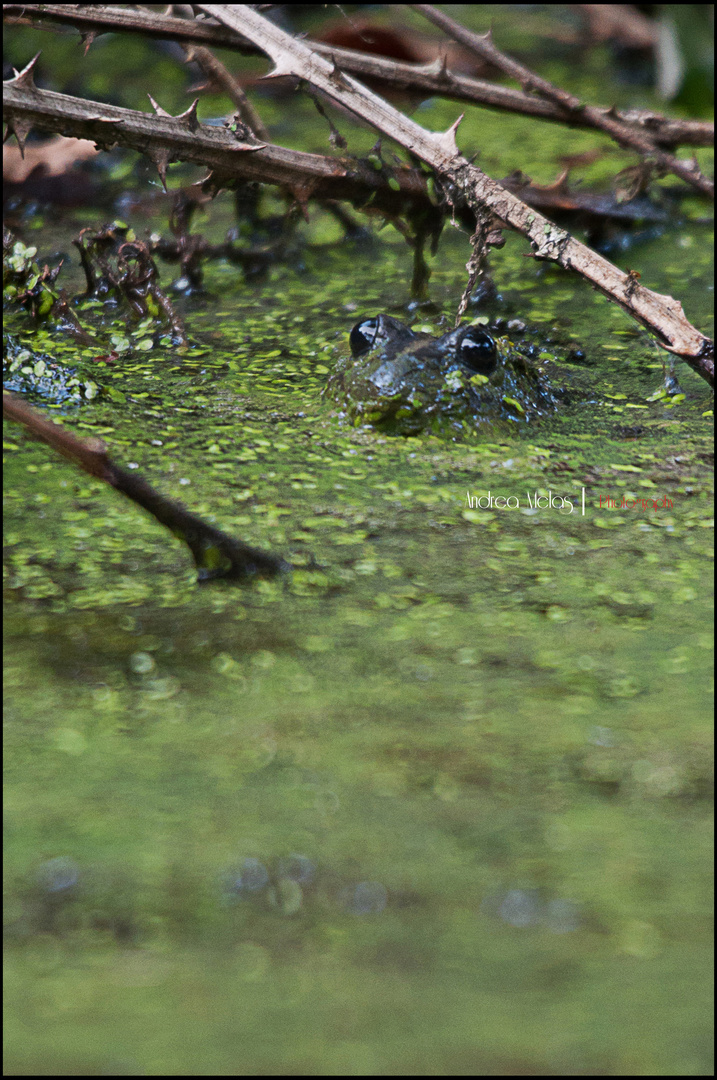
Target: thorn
[
  {"x": 213, "y": 183},
  {"x": 188, "y": 118},
  {"x": 160, "y": 157},
  {"x": 158, "y": 108},
  {"x": 204, "y": 180},
  {"x": 88, "y": 36},
  {"x": 447, "y": 139},
  {"x": 20, "y": 129},
  {"x": 25, "y": 79},
  {"x": 278, "y": 72},
  {"x": 560, "y": 184},
  {"x": 438, "y": 67},
  {"x": 432, "y": 67}
]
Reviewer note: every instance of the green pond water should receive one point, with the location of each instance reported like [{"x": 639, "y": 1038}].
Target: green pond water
[
  {"x": 437, "y": 803},
  {"x": 486, "y": 732}
]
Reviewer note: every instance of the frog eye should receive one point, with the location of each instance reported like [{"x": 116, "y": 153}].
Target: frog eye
[
  {"x": 477, "y": 351},
  {"x": 363, "y": 336}
]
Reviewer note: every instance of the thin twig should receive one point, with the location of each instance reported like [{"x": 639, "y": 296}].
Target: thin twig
[
  {"x": 215, "y": 553},
  {"x": 626, "y": 136}
]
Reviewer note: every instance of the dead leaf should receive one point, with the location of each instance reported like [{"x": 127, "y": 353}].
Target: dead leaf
[{"x": 53, "y": 158}]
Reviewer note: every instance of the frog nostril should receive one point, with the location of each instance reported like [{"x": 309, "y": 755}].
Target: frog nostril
[
  {"x": 477, "y": 350},
  {"x": 363, "y": 337}
]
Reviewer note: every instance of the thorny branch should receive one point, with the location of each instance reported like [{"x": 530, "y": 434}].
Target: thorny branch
[
  {"x": 392, "y": 192},
  {"x": 661, "y": 314},
  {"x": 433, "y": 79},
  {"x": 623, "y": 134},
  {"x": 165, "y": 139}
]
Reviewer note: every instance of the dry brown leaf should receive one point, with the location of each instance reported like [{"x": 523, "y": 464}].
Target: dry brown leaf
[{"x": 54, "y": 157}]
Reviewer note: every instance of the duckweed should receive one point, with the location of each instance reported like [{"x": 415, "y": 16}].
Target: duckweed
[{"x": 484, "y": 731}]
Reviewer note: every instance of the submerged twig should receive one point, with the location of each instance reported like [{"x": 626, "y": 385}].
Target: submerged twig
[{"x": 215, "y": 553}]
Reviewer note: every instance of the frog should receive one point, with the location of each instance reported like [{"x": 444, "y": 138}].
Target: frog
[{"x": 405, "y": 382}]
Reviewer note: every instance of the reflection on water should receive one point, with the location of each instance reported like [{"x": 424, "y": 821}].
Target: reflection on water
[
  {"x": 527, "y": 907},
  {"x": 441, "y": 802}
]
